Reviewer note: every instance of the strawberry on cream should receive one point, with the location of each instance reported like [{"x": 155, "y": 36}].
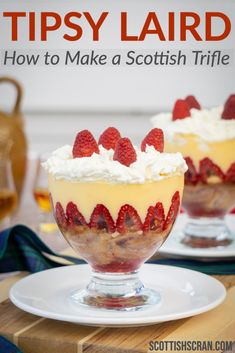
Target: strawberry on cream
[
  {"x": 115, "y": 203},
  {"x": 206, "y": 139}
]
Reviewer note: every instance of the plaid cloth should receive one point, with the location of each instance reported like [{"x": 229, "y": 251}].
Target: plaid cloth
[
  {"x": 22, "y": 250},
  {"x": 209, "y": 268},
  {"x": 8, "y": 347}
]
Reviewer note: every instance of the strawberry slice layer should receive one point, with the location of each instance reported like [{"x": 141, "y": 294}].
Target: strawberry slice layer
[
  {"x": 181, "y": 110},
  {"x": 155, "y": 219},
  {"x": 230, "y": 175},
  {"x": 74, "y": 217},
  {"x": 119, "y": 266},
  {"x": 229, "y": 108},
  {"x": 84, "y": 145},
  {"x": 191, "y": 176},
  {"x": 154, "y": 138},
  {"x": 193, "y": 102},
  {"x": 128, "y": 220},
  {"x": 207, "y": 169},
  {"x": 60, "y": 216},
  {"x": 124, "y": 152},
  {"x": 109, "y": 138},
  {"x": 173, "y": 211},
  {"x": 102, "y": 220}
]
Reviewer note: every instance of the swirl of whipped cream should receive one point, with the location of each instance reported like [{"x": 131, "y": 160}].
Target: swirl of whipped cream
[
  {"x": 206, "y": 124},
  {"x": 150, "y": 165}
]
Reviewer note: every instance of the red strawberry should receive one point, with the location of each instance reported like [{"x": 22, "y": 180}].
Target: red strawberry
[
  {"x": 124, "y": 152},
  {"x": 128, "y": 220},
  {"x": 192, "y": 102},
  {"x": 109, "y": 138},
  {"x": 230, "y": 175},
  {"x": 229, "y": 98},
  {"x": 102, "y": 220},
  {"x": 173, "y": 211},
  {"x": 84, "y": 145},
  {"x": 191, "y": 176},
  {"x": 154, "y": 138},
  {"x": 208, "y": 168},
  {"x": 155, "y": 219},
  {"x": 229, "y": 108},
  {"x": 74, "y": 217},
  {"x": 60, "y": 216},
  {"x": 181, "y": 110}
]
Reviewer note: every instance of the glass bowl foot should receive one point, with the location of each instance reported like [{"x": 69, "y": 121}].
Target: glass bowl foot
[
  {"x": 122, "y": 292},
  {"x": 206, "y": 233}
]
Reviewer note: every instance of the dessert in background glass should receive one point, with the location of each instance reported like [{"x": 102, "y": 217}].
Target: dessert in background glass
[
  {"x": 47, "y": 224},
  {"x": 8, "y": 196},
  {"x": 206, "y": 139},
  {"x": 115, "y": 205}
]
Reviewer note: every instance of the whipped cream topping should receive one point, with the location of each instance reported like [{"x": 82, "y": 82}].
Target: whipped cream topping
[
  {"x": 150, "y": 165},
  {"x": 206, "y": 124}
]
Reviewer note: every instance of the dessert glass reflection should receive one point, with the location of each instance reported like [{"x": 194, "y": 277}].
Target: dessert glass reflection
[
  {"x": 206, "y": 139},
  {"x": 115, "y": 205}
]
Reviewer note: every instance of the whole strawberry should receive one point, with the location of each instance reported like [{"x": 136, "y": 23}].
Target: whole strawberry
[
  {"x": 109, "y": 138},
  {"x": 181, "y": 110},
  {"x": 154, "y": 138},
  {"x": 229, "y": 108},
  {"x": 124, "y": 152},
  {"x": 84, "y": 145},
  {"x": 193, "y": 102}
]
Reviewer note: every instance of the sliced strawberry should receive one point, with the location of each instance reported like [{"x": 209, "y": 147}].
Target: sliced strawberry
[
  {"x": 229, "y": 108},
  {"x": 191, "y": 176},
  {"x": 181, "y": 110},
  {"x": 84, "y": 145},
  {"x": 154, "y": 138},
  {"x": 102, "y": 220},
  {"x": 155, "y": 219},
  {"x": 230, "y": 175},
  {"x": 60, "y": 216},
  {"x": 128, "y": 220},
  {"x": 124, "y": 152},
  {"x": 173, "y": 211},
  {"x": 193, "y": 102},
  {"x": 208, "y": 168},
  {"x": 74, "y": 217},
  {"x": 109, "y": 138}
]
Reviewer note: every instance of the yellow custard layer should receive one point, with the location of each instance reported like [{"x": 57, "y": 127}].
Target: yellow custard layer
[
  {"x": 87, "y": 195},
  {"x": 221, "y": 153}
]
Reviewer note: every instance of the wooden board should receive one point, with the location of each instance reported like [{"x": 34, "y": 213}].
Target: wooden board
[{"x": 38, "y": 335}]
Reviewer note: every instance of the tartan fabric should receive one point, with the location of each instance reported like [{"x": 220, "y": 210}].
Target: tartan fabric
[
  {"x": 22, "y": 250},
  {"x": 8, "y": 347}
]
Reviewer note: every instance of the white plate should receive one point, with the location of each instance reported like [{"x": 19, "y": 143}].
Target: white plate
[
  {"x": 184, "y": 293},
  {"x": 173, "y": 245}
]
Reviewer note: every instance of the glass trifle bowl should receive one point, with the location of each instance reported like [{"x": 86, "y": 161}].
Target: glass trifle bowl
[
  {"x": 115, "y": 205},
  {"x": 206, "y": 139}
]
